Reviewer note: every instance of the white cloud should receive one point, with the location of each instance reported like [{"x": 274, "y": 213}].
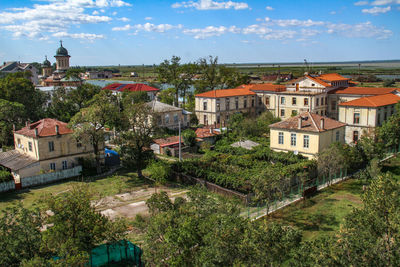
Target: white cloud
[
  {"x": 148, "y": 18},
  {"x": 361, "y": 3},
  {"x": 150, "y": 27},
  {"x": 332, "y": 12},
  {"x": 210, "y": 31},
  {"x": 85, "y": 36},
  {"x": 360, "y": 30},
  {"x": 211, "y": 5},
  {"x": 376, "y": 10},
  {"x": 127, "y": 27},
  {"x": 54, "y": 16},
  {"x": 293, "y": 22},
  {"x": 124, "y": 19},
  {"x": 385, "y": 2},
  {"x": 269, "y": 8},
  {"x": 114, "y": 13}
]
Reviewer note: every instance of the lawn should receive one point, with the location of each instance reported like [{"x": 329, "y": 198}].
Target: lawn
[
  {"x": 323, "y": 213},
  {"x": 119, "y": 182}
]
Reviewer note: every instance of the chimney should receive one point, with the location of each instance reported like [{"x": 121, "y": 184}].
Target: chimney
[
  {"x": 57, "y": 130},
  {"x": 36, "y": 132},
  {"x": 322, "y": 123},
  {"x": 26, "y": 123},
  {"x": 299, "y": 122},
  {"x": 211, "y": 130}
]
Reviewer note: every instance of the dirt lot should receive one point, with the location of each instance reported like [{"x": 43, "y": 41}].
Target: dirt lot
[{"x": 130, "y": 204}]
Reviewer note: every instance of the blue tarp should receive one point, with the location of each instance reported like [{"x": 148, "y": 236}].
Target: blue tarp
[{"x": 111, "y": 152}]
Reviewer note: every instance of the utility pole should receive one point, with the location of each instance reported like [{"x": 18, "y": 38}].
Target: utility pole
[{"x": 180, "y": 140}]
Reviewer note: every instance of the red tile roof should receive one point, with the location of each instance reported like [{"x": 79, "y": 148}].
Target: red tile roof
[
  {"x": 162, "y": 142},
  {"x": 363, "y": 91},
  {"x": 318, "y": 80},
  {"x": 131, "y": 87},
  {"x": 332, "y": 77},
  {"x": 46, "y": 127},
  {"x": 227, "y": 93},
  {"x": 205, "y": 132},
  {"x": 264, "y": 87},
  {"x": 310, "y": 122},
  {"x": 373, "y": 101}
]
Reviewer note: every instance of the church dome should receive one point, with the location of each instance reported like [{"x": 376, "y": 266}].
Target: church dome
[
  {"x": 46, "y": 63},
  {"x": 61, "y": 51}
]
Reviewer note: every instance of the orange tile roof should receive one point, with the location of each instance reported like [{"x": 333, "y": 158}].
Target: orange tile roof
[
  {"x": 373, "y": 101},
  {"x": 316, "y": 79},
  {"x": 46, "y": 127},
  {"x": 226, "y": 93},
  {"x": 310, "y": 122},
  {"x": 332, "y": 77},
  {"x": 267, "y": 87},
  {"x": 363, "y": 90},
  {"x": 173, "y": 140},
  {"x": 205, "y": 132}
]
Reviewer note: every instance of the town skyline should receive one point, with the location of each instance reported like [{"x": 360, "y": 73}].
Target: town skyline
[{"x": 113, "y": 32}]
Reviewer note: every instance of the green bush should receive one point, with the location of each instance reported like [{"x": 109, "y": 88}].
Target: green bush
[
  {"x": 160, "y": 171},
  {"x": 5, "y": 176}
]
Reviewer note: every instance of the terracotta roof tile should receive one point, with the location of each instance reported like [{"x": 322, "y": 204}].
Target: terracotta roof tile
[
  {"x": 318, "y": 80},
  {"x": 373, "y": 101},
  {"x": 310, "y": 122},
  {"x": 265, "y": 87},
  {"x": 331, "y": 77},
  {"x": 46, "y": 127},
  {"x": 162, "y": 142},
  {"x": 205, "y": 132},
  {"x": 363, "y": 91},
  {"x": 131, "y": 87},
  {"x": 227, "y": 93}
]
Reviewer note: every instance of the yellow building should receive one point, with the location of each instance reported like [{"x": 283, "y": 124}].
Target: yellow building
[
  {"x": 306, "y": 134},
  {"x": 362, "y": 115},
  {"x": 44, "y": 146}
]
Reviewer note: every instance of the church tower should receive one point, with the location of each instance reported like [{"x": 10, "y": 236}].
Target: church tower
[
  {"x": 62, "y": 59},
  {"x": 46, "y": 66}
]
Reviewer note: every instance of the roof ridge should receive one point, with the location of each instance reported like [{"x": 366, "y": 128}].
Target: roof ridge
[{"x": 312, "y": 119}]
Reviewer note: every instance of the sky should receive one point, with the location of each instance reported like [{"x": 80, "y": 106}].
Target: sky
[{"x": 129, "y": 32}]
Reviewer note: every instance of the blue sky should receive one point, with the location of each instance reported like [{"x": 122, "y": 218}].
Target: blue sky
[{"x": 129, "y": 32}]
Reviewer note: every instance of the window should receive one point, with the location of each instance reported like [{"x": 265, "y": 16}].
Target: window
[
  {"x": 252, "y": 101},
  {"x": 218, "y": 105},
  {"x": 322, "y": 101},
  {"x": 313, "y": 84},
  {"x": 317, "y": 102},
  {"x": 64, "y": 165},
  {"x": 259, "y": 101},
  {"x": 294, "y": 101},
  {"x": 205, "y": 105},
  {"x": 245, "y": 102},
  {"x": 306, "y": 141},
  {"x": 52, "y": 166},
  {"x": 385, "y": 116},
  {"x": 236, "y": 103},
  {"x": 356, "y": 118},
  {"x": 333, "y": 105},
  {"x": 227, "y": 103},
  {"x": 379, "y": 119},
  {"x": 293, "y": 139},
  {"x": 280, "y": 138},
  {"x": 78, "y": 144},
  {"x": 355, "y": 136},
  {"x": 305, "y": 101},
  {"x": 282, "y": 100},
  {"x": 30, "y": 146},
  {"x": 51, "y": 146},
  {"x": 166, "y": 118},
  {"x": 175, "y": 118},
  {"x": 205, "y": 120},
  {"x": 326, "y": 100},
  {"x": 337, "y": 136},
  {"x": 282, "y": 113},
  {"x": 218, "y": 119},
  {"x": 267, "y": 101},
  {"x": 184, "y": 117}
]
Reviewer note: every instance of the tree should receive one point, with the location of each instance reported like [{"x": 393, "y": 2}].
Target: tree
[
  {"x": 74, "y": 73},
  {"x": 136, "y": 137},
  {"x": 11, "y": 113},
  {"x": 389, "y": 132},
  {"x": 389, "y": 83},
  {"x": 134, "y": 97},
  {"x": 167, "y": 96},
  {"x": 15, "y": 87},
  {"x": 75, "y": 227},
  {"x": 330, "y": 161},
  {"x": 89, "y": 123},
  {"x": 20, "y": 236},
  {"x": 189, "y": 137}
]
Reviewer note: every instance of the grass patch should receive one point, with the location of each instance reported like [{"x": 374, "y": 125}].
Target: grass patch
[
  {"x": 323, "y": 213},
  {"x": 119, "y": 182}
]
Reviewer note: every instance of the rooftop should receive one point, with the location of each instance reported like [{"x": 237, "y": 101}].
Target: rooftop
[
  {"x": 265, "y": 87},
  {"x": 130, "y": 87},
  {"x": 45, "y": 127},
  {"x": 332, "y": 77},
  {"x": 227, "y": 92},
  {"x": 373, "y": 101},
  {"x": 247, "y": 144},
  {"x": 162, "y": 107},
  {"x": 162, "y": 142},
  {"x": 310, "y": 122},
  {"x": 14, "y": 160},
  {"x": 206, "y": 132},
  {"x": 363, "y": 91}
]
